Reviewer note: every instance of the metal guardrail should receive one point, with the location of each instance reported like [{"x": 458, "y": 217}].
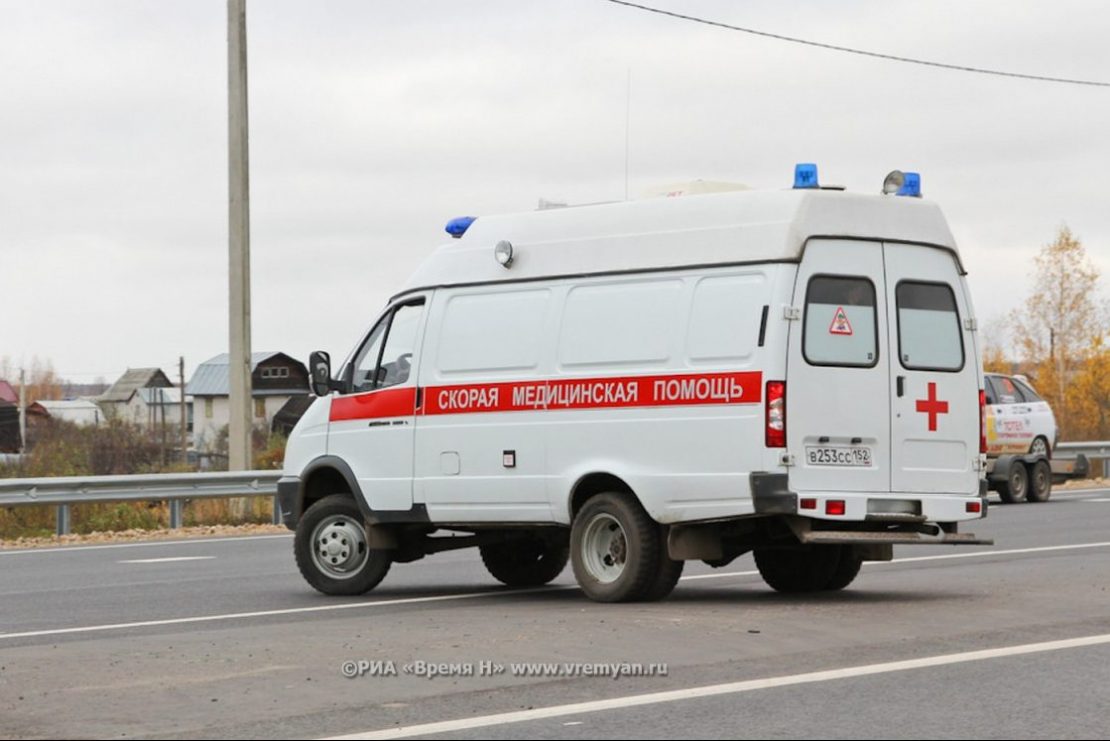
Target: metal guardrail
[
  {"x": 175, "y": 488},
  {"x": 1097, "y": 452}
]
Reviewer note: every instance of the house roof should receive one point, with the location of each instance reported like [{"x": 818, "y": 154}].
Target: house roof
[
  {"x": 8, "y": 393},
  {"x": 133, "y": 379},
  {"x": 68, "y": 405},
  {"x": 212, "y": 377}
]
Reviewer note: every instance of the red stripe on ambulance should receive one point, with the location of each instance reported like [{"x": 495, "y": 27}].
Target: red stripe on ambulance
[
  {"x": 566, "y": 393},
  {"x": 596, "y": 393}
]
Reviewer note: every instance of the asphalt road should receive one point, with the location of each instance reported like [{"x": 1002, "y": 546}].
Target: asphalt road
[{"x": 227, "y": 641}]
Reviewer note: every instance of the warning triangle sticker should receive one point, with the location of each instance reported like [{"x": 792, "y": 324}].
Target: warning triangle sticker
[{"x": 840, "y": 323}]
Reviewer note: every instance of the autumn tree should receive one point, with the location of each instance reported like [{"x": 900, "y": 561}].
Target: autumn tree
[{"x": 1060, "y": 332}]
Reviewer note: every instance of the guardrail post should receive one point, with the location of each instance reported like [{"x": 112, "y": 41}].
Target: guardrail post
[
  {"x": 277, "y": 511},
  {"x": 176, "y": 506},
  {"x": 63, "y": 519}
]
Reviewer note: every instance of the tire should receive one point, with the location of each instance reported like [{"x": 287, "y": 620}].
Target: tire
[
  {"x": 345, "y": 566},
  {"x": 1040, "y": 446},
  {"x": 616, "y": 550},
  {"x": 666, "y": 578},
  {"x": 846, "y": 571},
  {"x": 528, "y": 562},
  {"x": 1040, "y": 482},
  {"x": 1016, "y": 486},
  {"x": 803, "y": 569}
]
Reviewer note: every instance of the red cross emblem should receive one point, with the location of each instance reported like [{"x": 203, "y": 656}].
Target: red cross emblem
[{"x": 932, "y": 407}]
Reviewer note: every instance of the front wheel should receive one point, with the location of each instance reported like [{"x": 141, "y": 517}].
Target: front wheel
[{"x": 331, "y": 549}]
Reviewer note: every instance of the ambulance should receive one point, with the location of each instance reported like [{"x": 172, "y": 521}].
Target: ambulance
[{"x": 630, "y": 386}]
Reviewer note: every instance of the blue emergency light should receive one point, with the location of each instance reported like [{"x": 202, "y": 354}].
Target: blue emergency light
[
  {"x": 911, "y": 185},
  {"x": 457, "y": 227},
  {"x": 805, "y": 176}
]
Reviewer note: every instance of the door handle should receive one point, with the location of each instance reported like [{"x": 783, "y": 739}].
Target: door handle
[{"x": 901, "y": 386}]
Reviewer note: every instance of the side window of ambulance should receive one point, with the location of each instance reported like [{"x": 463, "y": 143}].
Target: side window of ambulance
[
  {"x": 841, "y": 324},
  {"x": 400, "y": 346},
  {"x": 367, "y": 359},
  {"x": 929, "y": 336},
  {"x": 376, "y": 367}
]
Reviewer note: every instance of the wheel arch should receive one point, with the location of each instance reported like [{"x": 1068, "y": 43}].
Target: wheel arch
[{"x": 590, "y": 484}]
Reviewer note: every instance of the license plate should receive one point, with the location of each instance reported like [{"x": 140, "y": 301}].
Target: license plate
[{"x": 830, "y": 456}]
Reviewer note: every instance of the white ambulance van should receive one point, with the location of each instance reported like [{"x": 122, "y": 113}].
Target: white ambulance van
[{"x": 638, "y": 384}]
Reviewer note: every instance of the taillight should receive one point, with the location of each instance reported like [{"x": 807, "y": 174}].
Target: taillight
[
  {"x": 982, "y": 421},
  {"x": 776, "y": 414}
]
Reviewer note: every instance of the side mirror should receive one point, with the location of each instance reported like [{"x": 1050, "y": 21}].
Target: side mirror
[{"x": 319, "y": 366}]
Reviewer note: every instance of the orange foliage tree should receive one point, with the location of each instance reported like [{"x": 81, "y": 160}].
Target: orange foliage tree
[{"x": 1061, "y": 332}]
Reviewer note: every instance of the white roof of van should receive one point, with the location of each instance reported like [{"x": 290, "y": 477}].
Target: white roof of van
[{"x": 669, "y": 233}]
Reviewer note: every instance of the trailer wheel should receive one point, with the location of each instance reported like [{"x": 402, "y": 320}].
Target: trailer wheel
[
  {"x": 804, "y": 569},
  {"x": 525, "y": 563},
  {"x": 1016, "y": 485},
  {"x": 1040, "y": 482},
  {"x": 331, "y": 549},
  {"x": 847, "y": 569},
  {"x": 615, "y": 549}
]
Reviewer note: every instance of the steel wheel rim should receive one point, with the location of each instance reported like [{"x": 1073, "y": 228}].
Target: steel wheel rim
[
  {"x": 604, "y": 548},
  {"x": 339, "y": 547},
  {"x": 1019, "y": 484}
]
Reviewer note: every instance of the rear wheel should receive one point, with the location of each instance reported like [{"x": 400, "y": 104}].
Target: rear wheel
[
  {"x": 846, "y": 571},
  {"x": 804, "y": 569},
  {"x": 1016, "y": 485},
  {"x": 525, "y": 563},
  {"x": 616, "y": 550},
  {"x": 1039, "y": 447},
  {"x": 1040, "y": 482},
  {"x": 331, "y": 549}
]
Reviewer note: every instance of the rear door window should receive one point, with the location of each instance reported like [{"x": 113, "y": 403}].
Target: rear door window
[
  {"x": 841, "y": 324},
  {"x": 929, "y": 336}
]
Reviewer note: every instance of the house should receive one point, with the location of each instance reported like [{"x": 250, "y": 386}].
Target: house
[
  {"x": 275, "y": 379},
  {"x": 155, "y": 406},
  {"x": 81, "y": 412},
  {"x": 10, "y": 441},
  {"x": 8, "y": 393},
  {"x": 115, "y": 400}
]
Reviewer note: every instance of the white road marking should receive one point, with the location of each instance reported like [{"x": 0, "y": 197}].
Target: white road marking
[
  {"x": 477, "y": 595},
  {"x": 1100, "y": 499},
  {"x": 728, "y": 688},
  {"x": 170, "y": 559},
  {"x": 143, "y": 544}
]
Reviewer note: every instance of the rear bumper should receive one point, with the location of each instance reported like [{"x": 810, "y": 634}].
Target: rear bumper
[{"x": 771, "y": 495}]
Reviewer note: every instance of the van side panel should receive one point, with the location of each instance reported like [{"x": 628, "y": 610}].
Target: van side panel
[
  {"x": 685, "y": 459},
  {"x": 656, "y": 379},
  {"x": 474, "y": 462}
]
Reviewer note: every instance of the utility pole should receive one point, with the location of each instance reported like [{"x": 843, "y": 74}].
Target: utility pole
[
  {"x": 22, "y": 411},
  {"x": 184, "y": 422},
  {"x": 239, "y": 358}
]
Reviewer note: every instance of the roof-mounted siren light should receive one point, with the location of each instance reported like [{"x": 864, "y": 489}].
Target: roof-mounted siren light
[
  {"x": 900, "y": 183},
  {"x": 805, "y": 175},
  {"x": 458, "y": 226}
]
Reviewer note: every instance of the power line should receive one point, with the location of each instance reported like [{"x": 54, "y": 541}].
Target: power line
[{"x": 859, "y": 52}]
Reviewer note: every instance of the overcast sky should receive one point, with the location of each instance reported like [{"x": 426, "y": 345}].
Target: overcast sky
[{"x": 373, "y": 123}]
